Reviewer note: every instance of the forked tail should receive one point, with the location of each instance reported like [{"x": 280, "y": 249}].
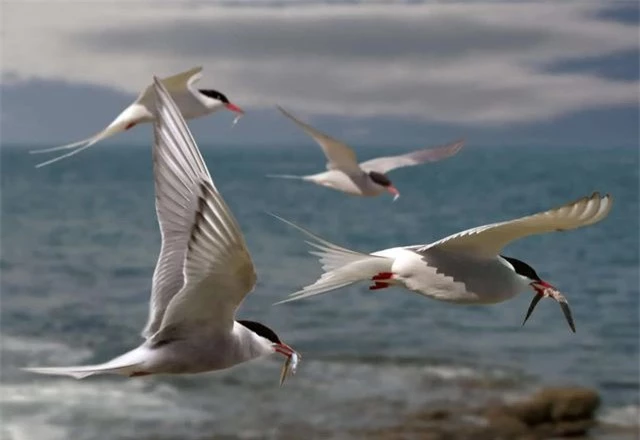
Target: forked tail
[
  {"x": 286, "y": 176},
  {"x": 83, "y": 144},
  {"x": 341, "y": 266},
  {"x": 129, "y": 364}
]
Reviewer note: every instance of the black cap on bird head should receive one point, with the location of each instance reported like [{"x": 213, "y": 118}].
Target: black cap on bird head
[
  {"x": 262, "y": 330},
  {"x": 385, "y": 182},
  {"x": 542, "y": 289},
  {"x": 380, "y": 178},
  {"x": 214, "y": 94},
  {"x": 522, "y": 268}
]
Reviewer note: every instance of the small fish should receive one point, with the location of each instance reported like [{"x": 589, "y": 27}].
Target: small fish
[
  {"x": 290, "y": 365},
  {"x": 236, "y": 119}
]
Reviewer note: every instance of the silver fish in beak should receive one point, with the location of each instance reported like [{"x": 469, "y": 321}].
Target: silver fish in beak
[{"x": 291, "y": 362}]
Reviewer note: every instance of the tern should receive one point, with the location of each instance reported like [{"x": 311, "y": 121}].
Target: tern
[
  {"x": 192, "y": 102},
  {"x": 369, "y": 178},
  {"x": 463, "y": 268},
  {"x": 204, "y": 271}
]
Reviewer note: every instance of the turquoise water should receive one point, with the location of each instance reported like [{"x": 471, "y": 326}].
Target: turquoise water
[{"x": 80, "y": 241}]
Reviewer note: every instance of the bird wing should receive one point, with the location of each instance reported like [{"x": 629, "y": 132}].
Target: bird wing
[
  {"x": 488, "y": 240},
  {"x": 174, "y": 84},
  {"x": 204, "y": 270},
  {"x": 385, "y": 164},
  {"x": 339, "y": 155}
]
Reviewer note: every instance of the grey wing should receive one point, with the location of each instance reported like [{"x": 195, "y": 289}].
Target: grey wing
[
  {"x": 204, "y": 270},
  {"x": 488, "y": 240},
  {"x": 176, "y": 84},
  {"x": 433, "y": 154},
  {"x": 339, "y": 156},
  {"x": 177, "y": 190}
]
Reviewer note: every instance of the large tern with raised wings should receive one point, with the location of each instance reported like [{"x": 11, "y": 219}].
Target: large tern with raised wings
[
  {"x": 203, "y": 273},
  {"x": 369, "y": 178},
  {"x": 192, "y": 102},
  {"x": 463, "y": 268}
]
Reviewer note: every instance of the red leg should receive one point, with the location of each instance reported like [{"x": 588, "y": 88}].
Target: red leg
[
  {"x": 383, "y": 276},
  {"x": 130, "y": 125},
  {"x": 379, "y": 285},
  {"x": 139, "y": 373}
]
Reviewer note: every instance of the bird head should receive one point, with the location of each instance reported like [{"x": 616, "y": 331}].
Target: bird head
[
  {"x": 277, "y": 346},
  {"x": 216, "y": 99},
  {"x": 384, "y": 181},
  {"x": 541, "y": 288}
]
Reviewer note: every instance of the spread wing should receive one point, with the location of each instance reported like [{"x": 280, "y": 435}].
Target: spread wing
[
  {"x": 174, "y": 84},
  {"x": 339, "y": 155},
  {"x": 488, "y": 240},
  {"x": 204, "y": 270},
  {"x": 385, "y": 164}
]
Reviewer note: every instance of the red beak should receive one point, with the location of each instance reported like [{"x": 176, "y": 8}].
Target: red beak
[
  {"x": 284, "y": 349},
  {"x": 392, "y": 189},
  {"x": 234, "y": 108},
  {"x": 540, "y": 286}
]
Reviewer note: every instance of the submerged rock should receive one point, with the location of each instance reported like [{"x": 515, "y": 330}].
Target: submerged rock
[{"x": 551, "y": 413}]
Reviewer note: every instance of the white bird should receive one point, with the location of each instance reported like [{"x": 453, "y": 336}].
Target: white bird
[
  {"x": 192, "y": 102},
  {"x": 203, "y": 273},
  {"x": 368, "y": 178},
  {"x": 463, "y": 268}
]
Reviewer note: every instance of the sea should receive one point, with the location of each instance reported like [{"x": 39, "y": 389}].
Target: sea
[{"x": 79, "y": 242}]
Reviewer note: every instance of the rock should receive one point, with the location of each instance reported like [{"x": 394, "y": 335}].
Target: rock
[
  {"x": 552, "y": 405},
  {"x": 573, "y": 429},
  {"x": 435, "y": 414},
  {"x": 532, "y": 412},
  {"x": 508, "y": 427},
  {"x": 570, "y": 403}
]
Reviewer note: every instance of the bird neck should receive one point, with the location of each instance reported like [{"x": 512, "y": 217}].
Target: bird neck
[
  {"x": 210, "y": 103},
  {"x": 250, "y": 344}
]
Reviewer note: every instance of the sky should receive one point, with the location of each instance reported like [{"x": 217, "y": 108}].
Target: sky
[{"x": 369, "y": 73}]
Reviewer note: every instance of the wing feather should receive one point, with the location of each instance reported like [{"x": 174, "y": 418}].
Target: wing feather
[
  {"x": 339, "y": 155},
  {"x": 193, "y": 280},
  {"x": 488, "y": 240},
  {"x": 434, "y": 154}
]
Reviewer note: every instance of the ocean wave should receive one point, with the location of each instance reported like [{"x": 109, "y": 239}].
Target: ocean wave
[
  {"x": 53, "y": 409},
  {"x": 628, "y": 416},
  {"x": 18, "y": 351}
]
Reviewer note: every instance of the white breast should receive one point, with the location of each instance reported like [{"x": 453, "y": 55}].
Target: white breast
[
  {"x": 453, "y": 277},
  {"x": 359, "y": 185}
]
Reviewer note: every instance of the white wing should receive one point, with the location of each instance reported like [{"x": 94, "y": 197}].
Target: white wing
[
  {"x": 175, "y": 84},
  {"x": 339, "y": 155},
  {"x": 385, "y": 164},
  {"x": 488, "y": 240},
  {"x": 204, "y": 270}
]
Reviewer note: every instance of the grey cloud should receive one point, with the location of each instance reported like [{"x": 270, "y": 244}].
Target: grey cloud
[
  {"x": 470, "y": 64},
  {"x": 348, "y": 37}
]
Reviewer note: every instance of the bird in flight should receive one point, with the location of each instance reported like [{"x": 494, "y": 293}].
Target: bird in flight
[
  {"x": 204, "y": 271},
  {"x": 369, "y": 178},
  {"x": 192, "y": 102},
  {"x": 464, "y": 268}
]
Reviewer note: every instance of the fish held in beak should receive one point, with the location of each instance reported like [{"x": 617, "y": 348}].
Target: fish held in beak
[
  {"x": 393, "y": 190},
  {"x": 546, "y": 290},
  {"x": 291, "y": 362},
  {"x": 236, "y": 109}
]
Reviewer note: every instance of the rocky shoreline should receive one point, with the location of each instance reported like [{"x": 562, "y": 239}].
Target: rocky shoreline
[{"x": 551, "y": 413}]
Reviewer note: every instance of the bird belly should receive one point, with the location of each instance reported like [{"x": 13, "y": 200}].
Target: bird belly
[
  {"x": 192, "y": 356},
  {"x": 456, "y": 278},
  {"x": 208, "y": 351},
  {"x": 338, "y": 180}
]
